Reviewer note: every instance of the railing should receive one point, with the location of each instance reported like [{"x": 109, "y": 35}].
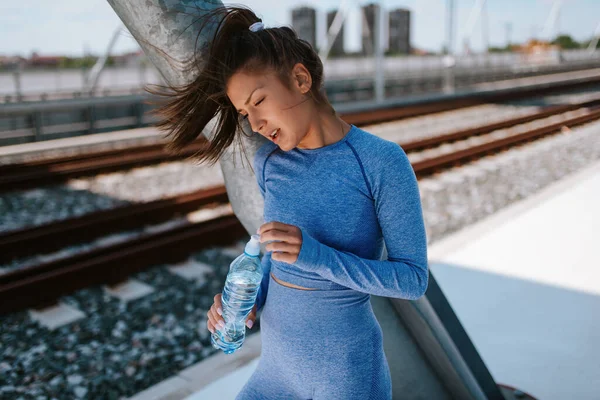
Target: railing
[
  {"x": 66, "y": 94},
  {"x": 28, "y": 122}
]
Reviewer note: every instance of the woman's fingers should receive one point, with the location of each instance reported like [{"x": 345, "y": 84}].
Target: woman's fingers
[
  {"x": 281, "y": 247},
  {"x": 217, "y": 301},
  {"x": 251, "y": 317},
  {"x": 284, "y": 240},
  {"x": 215, "y": 320},
  {"x": 276, "y": 236}
]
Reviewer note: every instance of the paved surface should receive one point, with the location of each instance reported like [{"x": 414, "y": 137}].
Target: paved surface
[
  {"x": 127, "y": 137},
  {"x": 525, "y": 284}
]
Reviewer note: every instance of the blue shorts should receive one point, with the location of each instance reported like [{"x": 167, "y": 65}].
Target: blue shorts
[{"x": 321, "y": 344}]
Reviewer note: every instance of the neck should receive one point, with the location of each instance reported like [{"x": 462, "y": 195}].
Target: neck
[{"x": 326, "y": 129}]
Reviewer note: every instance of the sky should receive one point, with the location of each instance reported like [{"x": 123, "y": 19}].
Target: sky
[{"x": 70, "y": 27}]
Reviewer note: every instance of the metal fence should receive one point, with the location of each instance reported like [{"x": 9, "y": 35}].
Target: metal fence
[{"x": 29, "y": 122}]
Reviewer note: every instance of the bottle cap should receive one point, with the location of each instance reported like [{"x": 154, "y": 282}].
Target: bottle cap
[{"x": 253, "y": 246}]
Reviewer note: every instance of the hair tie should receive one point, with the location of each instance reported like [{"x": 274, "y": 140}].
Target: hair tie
[{"x": 257, "y": 26}]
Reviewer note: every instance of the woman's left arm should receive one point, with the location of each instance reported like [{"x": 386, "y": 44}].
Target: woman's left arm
[{"x": 398, "y": 206}]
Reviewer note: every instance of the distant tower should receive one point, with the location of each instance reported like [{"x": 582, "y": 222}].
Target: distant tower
[
  {"x": 338, "y": 44},
  {"x": 368, "y": 26},
  {"x": 304, "y": 22},
  {"x": 399, "y": 26}
]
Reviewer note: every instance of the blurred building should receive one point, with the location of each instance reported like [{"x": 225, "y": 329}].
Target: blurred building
[
  {"x": 338, "y": 44},
  {"x": 44, "y": 61},
  {"x": 399, "y": 31},
  {"x": 12, "y": 61},
  {"x": 131, "y": 59},
  {"x": 304, "y": 22},
  {"x": 368, "y": 28}
]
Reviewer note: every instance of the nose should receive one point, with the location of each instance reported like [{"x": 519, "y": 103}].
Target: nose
[{"x": 256, "y": 125}]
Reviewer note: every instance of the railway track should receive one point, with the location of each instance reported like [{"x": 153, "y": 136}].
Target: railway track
[
  {"x": 53, "y": 236},
  {"x": 43, "y": 172},
  {"x": 43, "y": 284},
  {"x": 418, "y": 145},
  {"x": 32, "y": 174},
  {"x": 39, "y": 285},
  {"x": 484, "y": 143}
]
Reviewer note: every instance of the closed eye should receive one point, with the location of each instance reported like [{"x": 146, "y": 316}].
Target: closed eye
[{"x": 260, "y": 101}]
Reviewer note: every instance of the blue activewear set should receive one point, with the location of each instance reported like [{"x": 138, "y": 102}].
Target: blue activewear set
[{"x": 347, "y": 198}]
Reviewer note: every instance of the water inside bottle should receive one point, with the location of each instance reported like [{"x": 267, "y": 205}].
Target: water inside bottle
[{"x": 239, "y": 296}]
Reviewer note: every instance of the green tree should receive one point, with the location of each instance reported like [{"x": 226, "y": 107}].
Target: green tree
[
  {"x": 566, "y": 42},
  {"x": 505, "y": 49},
  {"x": 88, "y": 61},
  {"x": 497, "y": 49}
]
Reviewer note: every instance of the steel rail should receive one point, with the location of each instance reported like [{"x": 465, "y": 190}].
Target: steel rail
[
  {"x": 28, "y": 175},
  {"x": 43, "y": 284},
  {"x": 55, "y": 235},
  {"x": 418, "y": 145},
  {"x": 430, "y": 166}
]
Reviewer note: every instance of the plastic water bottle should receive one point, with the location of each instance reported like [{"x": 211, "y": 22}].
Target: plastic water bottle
[{"x": 239, "y": 295}]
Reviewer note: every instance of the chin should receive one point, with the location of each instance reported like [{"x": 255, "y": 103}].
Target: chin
[{"x": 284, "y": 147}]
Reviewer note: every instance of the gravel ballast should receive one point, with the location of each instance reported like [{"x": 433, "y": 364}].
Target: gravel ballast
[{"x": 21, "y": 209}]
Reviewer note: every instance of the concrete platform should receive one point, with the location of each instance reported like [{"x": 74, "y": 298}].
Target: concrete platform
[
  {"x": 525, "y": 284},
  {"x": 220, "y": 376},
  {"x": 540, "y": 80},
  {"x": 125, "y": 138}
]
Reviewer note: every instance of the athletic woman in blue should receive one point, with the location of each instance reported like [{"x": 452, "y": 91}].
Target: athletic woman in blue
[{"x": 333, "y": 195}]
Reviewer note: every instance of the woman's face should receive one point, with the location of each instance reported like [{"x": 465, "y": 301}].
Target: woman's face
[{"x": 269, "y": 105}]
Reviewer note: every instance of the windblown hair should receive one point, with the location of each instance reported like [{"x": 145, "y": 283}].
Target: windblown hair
[{"x": 187, "y": 109}]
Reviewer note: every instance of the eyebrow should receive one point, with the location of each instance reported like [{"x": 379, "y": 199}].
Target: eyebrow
[{"x": 249, "y": 97}]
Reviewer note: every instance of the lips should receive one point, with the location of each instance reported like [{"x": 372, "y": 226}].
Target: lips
[{"x": 274, "y": 139}]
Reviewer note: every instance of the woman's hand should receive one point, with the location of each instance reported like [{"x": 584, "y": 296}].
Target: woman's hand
[
  {"x": 287, "y": 240},
  {"x": 215, "y": 315}
]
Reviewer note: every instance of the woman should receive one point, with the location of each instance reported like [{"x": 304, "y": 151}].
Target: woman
[{"x": 333, "y": 194}]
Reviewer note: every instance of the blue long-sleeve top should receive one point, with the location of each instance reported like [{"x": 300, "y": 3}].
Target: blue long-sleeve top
[{"x": 347, "y": 198}]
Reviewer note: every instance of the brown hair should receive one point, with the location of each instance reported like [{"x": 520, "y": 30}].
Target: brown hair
[{"x": 188, "y": 108}]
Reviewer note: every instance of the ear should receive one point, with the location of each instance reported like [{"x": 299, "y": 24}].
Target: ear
[{"x": 301, "y": 78}]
